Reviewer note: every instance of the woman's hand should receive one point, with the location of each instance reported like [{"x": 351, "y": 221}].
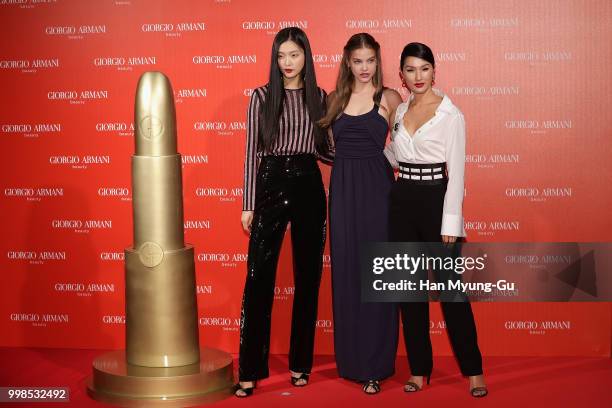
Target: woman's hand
[
  {"x": 246, "y": 219},
  {"x": 447, "y": 239}
]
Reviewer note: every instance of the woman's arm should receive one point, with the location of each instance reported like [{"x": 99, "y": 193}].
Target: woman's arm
[
  {"x": 452, "y": 215},
  {"x": 392, "y": 100},
  {"x": 250, "y": 160}
]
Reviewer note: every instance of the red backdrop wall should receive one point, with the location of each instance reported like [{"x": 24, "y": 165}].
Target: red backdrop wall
[{"x": 531, "y": 78}]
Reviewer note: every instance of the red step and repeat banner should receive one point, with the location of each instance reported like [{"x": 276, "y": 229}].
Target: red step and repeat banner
[{"x": 532, "y": 79}]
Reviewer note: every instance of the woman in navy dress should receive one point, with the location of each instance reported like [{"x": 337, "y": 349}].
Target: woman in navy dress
[{"x": 365, "y": 334}]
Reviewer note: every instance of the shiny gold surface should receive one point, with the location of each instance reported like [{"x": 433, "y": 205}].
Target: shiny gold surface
[
  {"x": 157, "y": 199},
  {"x": 162, "y": 364},
  {"x": 116, "y": 382},
  {"x": 162, "y": 325},
  {"x": 154, "y": 116},
  {"x": 161, "y": 307}
]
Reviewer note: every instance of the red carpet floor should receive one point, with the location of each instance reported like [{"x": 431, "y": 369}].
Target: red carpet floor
[{"x": 513, "y": 382}]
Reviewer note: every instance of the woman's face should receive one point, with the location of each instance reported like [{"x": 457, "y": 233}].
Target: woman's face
[
  {"x": 363, "y": 64},
  {"x": 290, "y": 59},
  {"x": 418, "y": 74}
]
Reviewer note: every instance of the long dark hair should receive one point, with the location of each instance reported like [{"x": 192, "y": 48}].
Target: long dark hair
[
  {"x": 346, "y": 79},
  {"x": 273, "y": 106},
  {"x": 419, "y": 50}
]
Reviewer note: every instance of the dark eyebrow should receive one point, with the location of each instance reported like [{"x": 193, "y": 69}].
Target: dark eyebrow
[{"x": 422, "y": 66}]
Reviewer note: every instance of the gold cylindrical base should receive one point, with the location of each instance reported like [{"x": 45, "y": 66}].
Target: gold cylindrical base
[
  {"x": 116, "y": 382},
  {"x": 161, "y": 308}
]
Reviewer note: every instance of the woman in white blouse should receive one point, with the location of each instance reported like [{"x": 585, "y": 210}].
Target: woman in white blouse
[{"x": 428, "y": 148}]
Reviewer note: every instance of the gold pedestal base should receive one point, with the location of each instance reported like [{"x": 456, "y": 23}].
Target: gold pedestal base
[{"x": 116, "y": 382}]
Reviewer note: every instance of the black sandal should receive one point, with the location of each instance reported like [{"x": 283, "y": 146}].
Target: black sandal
[
  {"x": 374, "y": 384},
  {"x": 479, "y": 392},
  {"x": 303, "y": 376},
  {"x": 414, "y": 387},
  {"x": 248, "y": 391}
]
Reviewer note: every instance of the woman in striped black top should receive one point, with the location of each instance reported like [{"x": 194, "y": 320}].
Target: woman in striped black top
[{"x": 282, "y": 183}]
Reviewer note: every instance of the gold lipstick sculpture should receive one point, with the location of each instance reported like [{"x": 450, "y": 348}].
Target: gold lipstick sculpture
[{"x": 162, "y": 363}]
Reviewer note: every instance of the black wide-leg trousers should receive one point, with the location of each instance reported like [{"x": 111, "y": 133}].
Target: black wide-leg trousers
[
  {"x": 416, "y": 216},
  {"x": 289, "y": 189}
]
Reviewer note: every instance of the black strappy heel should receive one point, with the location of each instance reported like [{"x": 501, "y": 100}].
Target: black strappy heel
[
  {"x": 479, "y": 392},
  {"x": 372, "y": 384},
  {"x": 414, "y": 387},
  {"x": 248, "y": 391},
  {"x": 303, "y": 376}
]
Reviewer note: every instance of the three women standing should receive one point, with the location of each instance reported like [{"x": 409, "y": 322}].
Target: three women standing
[{"x": 286, "y": 122}]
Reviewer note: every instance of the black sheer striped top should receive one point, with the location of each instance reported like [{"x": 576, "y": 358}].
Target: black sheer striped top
[{"x": 295, "y": 135}]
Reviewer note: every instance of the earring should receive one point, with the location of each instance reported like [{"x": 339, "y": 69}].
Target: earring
[
  {"x": 433, "y": 81},
  {"x": 404, "y": 85}
]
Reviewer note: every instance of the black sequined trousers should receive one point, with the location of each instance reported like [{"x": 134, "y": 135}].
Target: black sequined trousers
[{"x": 289, "y": 189}]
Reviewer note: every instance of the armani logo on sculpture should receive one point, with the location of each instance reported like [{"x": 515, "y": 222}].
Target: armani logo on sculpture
[{"x": 150, "y": 254}]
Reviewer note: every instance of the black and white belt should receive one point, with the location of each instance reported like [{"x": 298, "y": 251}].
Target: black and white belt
[{"x": 429, "y": 173}]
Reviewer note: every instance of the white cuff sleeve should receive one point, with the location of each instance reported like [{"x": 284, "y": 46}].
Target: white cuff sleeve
[{"x": 452, "y": 225}]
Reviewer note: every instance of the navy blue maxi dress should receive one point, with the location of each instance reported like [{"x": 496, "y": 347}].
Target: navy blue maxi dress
[{"x": 365, "y": 334}]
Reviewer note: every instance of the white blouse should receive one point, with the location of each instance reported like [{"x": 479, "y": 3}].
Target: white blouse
[{"x": 441, "y": 139}]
